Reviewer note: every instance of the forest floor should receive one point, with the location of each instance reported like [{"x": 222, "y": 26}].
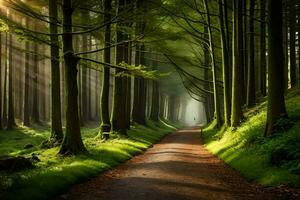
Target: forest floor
[
  {"x": 54, "y": 174},
  {"x": 179, "y": 167}
]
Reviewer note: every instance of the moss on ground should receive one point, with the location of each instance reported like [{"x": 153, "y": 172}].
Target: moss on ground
[
  {"x": 55, "y": 174},
  {"x": 268, "y": 161}
]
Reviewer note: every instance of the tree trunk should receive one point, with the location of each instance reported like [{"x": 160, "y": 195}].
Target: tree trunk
[
  {"x": 72, "y": 143},
  {"x": 263, "y": 62},
  {"x": 292, "y": 22},
  {"x": 276, "y": 102},
  {"x": 11, "y": 116},
  {"x": 56, "y": 124},
  {"x": 237, "y": 76},
  {"x": 5, "y": 82},
  {"x": 118, "y": 121},
  {"x": 104, "y": 104},
  {"x": 225, "y": 67},
  {"x": 214, "y": 67},
  {"x": 251, "y": 62},
  {"x": 155, "y": 102},
  {"x": 1, "y": 125},
  {"x": 26, "y": 103},
  {"x": 35, "y": 104}
]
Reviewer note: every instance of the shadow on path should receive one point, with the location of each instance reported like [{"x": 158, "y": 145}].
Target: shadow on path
[{"x": 177, "y": 168}]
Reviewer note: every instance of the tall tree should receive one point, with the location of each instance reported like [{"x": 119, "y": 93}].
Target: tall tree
[
  {"x": 237, "y": 75},
  {"x": 118, "y": 121},
  {"x": 225, "y": 66},
  {"x": 72, "y": 142},
  {"x": 104, "y": 104},
  {"x": 26, "y": 102},
  {"x": 10, "y": 114},
  {"x": 56, "y": 124},
  {"x": 251, "y": 59},
  {"x": 4, "y": 116},
  {"x": 1, "y": 126},
  {"x": 263, "y": 63},
  {"x": 213, "y": 65},
  {"x": 276, "y": 102},
  {"x": 292, "y": 22},
  {"x": 35, "y": 82}
]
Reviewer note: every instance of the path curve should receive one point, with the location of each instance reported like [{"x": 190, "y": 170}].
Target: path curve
[{"x": 177, "y": 168}]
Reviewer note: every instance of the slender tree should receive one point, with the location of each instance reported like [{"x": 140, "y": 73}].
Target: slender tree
[
  {"x": 237, "y": 75},
  {"x": 104, "y": 104},
  {"x": 10, "y": 114},
  {"x": 276, "y": 102},
  {"x": 213, "y": 65},
  {"x": 225, "y": 67},
  {"x": 56, "y": 124},
  {"x": 251, "y": 59},
  {"x": 1, "y": 126},
  {"x": 118, "y": 121},
  {"x": 263, "y": 62},
  {"x": 292, "y": 22}
]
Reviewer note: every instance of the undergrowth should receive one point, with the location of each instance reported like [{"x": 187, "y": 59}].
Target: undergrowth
[
  {"x": 55, "y": 174},
  {"x": 269, "y": 161}
]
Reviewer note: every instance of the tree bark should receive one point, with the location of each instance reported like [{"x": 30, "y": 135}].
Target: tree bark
[
  {"x": 276, "y": 102},
  {"x": 1, "y": 125},
  {"x": 72, "y": 143},
  {"x": 10, "y": 115},
  {"x": 263, "y": 63},
  {"x": 225, "y": 67},
  {"x": 118, "y": 121},
  {"x": 292, "y": 22},
  {"x": 35, "y": 103},
  {"x": 251, "y": 62},
  {"x": 56, "y": 124},
  {"x": 237, "y": 76},
  {"x": 214, "y": 67},
  {"x": 104, "y": 104}
]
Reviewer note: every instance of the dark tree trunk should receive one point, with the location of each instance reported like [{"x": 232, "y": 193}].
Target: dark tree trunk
[
  {"x": 5, "y": 82},
  {"x": 1, "y": 125},
  {"x": 225, "y": 66},
  {"x": 292, "y": 22},
  {"x": 243, "y": 47},
  {"x": 11, "y": 115},
  {"x": 56, "y": 124},
  {"x": 84, "y": 90},
  {"x": 162, "y": 106},
  {"x": 155, "y": 102},
  {"x": 213, "y": 66},
  {"x": 26, "y": 102},
  {"x": 276, "y": 102},
  {"x": 237, "y": 76},
  {"x": 35, "y": 104},
  {"x": 72, "y": 143},
  {"x": 104, "y": 104},
  {"x": 263, "y": 62},
  {"x": 118, "y": 121},
  {"x": 251, "y": 62}
]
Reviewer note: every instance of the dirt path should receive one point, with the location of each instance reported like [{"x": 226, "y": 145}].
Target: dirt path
[{"x": 177, "y": 168}]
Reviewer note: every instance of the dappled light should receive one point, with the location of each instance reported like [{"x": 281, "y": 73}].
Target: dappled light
[{"x": 149, "y": 99}]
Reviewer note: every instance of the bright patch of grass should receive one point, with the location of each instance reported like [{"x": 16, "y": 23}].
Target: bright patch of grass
[
  {"x": 247, "y": 151},
  {"x": 55, "y": 174}
]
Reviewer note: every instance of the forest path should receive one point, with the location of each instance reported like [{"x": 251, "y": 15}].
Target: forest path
[{"x": 177, "y": 168}]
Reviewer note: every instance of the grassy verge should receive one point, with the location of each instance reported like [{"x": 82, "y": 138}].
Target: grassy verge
[
  {"x": 268, "y": 161},
  {"x": 55, "y": 174}
]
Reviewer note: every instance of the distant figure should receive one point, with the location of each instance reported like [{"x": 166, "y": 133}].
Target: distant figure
[{"x": 194, "y": 118}]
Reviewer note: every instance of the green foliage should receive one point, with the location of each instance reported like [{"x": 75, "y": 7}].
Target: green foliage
[
  {"x": 268, "y": 161},
  {"x": 55, "y": 174}
]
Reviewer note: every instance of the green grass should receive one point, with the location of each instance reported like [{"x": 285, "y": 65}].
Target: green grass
[
  {"x": 55, "y": 174},
  {"x": 247, "y": 151}
]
